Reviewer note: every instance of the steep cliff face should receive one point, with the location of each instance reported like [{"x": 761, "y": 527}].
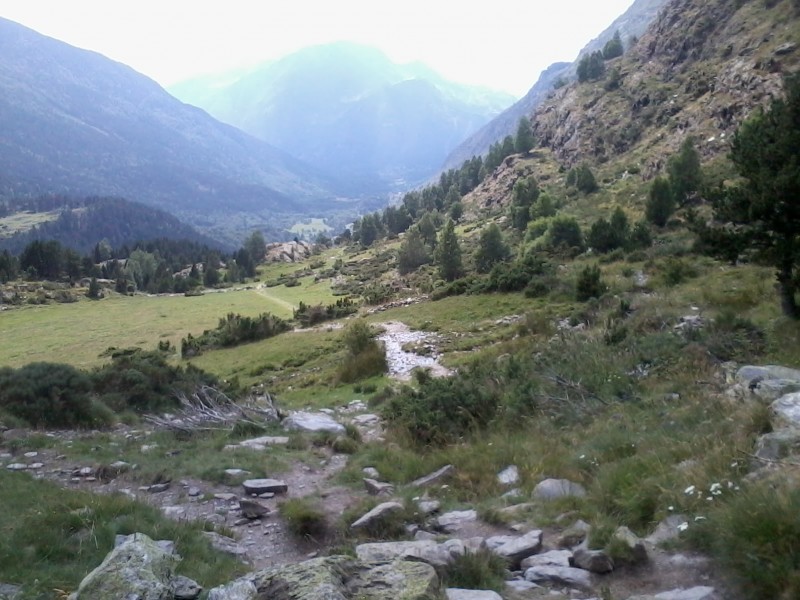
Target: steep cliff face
[{"x": 700, "y": 69}]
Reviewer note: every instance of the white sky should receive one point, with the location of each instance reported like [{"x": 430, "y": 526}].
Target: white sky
[{"x": 503, "y": 44}]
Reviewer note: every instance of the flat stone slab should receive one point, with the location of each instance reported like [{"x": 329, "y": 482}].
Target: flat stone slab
[
  {"x": 438, "y": 475},
  {"x": 428, "y": 551},
  {"x": 261, "y": 443},
  {"x": 452, "y": 521},
  {"x": 312, "y": 422},
  {"x": 517, "y": 549},
  {"x": 553, "y": 558},
  {"x": 560, "y": 575},
  {"x": 263, "y": 486},
  {"x": 380, "y": 512}
]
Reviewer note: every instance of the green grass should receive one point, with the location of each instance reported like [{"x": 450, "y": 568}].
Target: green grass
[
  {"x": 52, "y": 543},
  {"x": 23, "y": 221}
]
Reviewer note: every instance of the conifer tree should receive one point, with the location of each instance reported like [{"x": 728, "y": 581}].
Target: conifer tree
[{"x": 448, "y": 253}]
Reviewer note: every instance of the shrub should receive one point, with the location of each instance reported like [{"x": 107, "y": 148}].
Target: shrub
[
  {"x": 589, "y": 284},
  {"x": 50, "y": 395},
  {"x": 366, "y": 356},
  {"x": 308, "y": 315},
  {"x": 564, "y": 232},
  {"x": 304, "y": 518},
  {"x": 481, "y": 570},
  {"x": 660, "y": 202},
  {"x": 232, "y": 330}
]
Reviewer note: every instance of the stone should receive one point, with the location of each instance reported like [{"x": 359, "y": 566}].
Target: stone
[
  {"x": 424, "y": 535},
  {"x": 173, "y": 512},
  {"x": 16, "y": 467},
  {"x": 787, "y": 409},
  {"x": 252, "y": 509},
  {"x": 233, "y": 476},
  {"x": 750, "y": 376},
  {"x": 193, "y": 492},
  {"x": 776, "y": 445},
  {"x": 435, "y": 477},
  {"x": 553, "y": 489},
  {"x": 786, "y": 48},
  {"x": 560, "y": 575},
  {"x": 224, "y": 544},
  {"x": 84, "y": 472},
  {"x": 517, "y": 549},
  {"x": 496, "y": 541},
  {"x": 366, "y": 419},
  {"x": 596, "y": 561},
  {"x": 635, "y": 548},
  {"x": 335, "y": 578},
  {"x": 371, "y": 472},
  {"x": 521, "y": 586},
  {"x": 552, "y": 558},
  {"x": 263, "y": 442},
  {"x": 454, "y": 520},
  {"x": 428, "y": 507},
  {"x": 157, "y": 488},
  {"x": 225, "y": 497},
  {"x": 428, "y": 551},
  {"x": 9, "y": 592},
  {"x": 515, "y": 510},
  {"x": 508, "y": 476},
  {"x": 462, "y": 594},
  {"x": 167, "y": 546},
  {"x": 701, "y": 592},
  {"x": 574, "y": 535},
  {"x": 312, "y": 422},
  {"x": 377, "y": 488},
  {"x": 262, "y": 486},
  {"x": 184, "y": 588},
  {"x": 668, "y": 529},
  {"x": 137, "y": 568},
  {"x": 380, "y": 513},
  {"x": 31, "y": 454}
]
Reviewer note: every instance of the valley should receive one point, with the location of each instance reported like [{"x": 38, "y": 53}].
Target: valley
[{"x": 567, "y": 367}]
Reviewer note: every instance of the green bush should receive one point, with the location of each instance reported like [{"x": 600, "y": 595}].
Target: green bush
[
  {"x": 308, "y": 315},
  {"x": 365, "y": 357},
  {"x": 589, "y": 284},
  {"x": 50, "y": 395},
  {"x": 232, "y": 330},
  {"x": 304, "y": 518},
  {"x": 481, "y": 570}
]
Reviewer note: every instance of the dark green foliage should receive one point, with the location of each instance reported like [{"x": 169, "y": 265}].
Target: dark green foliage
[
  {"x": 591, "y": 67},
  {"x": 365, "y": 355},
  {"x": 765, "y": 206},
  {"x": 232, "y": 330},
  {"x": 480, "y": 570},
  {"x": 456, "y": 211},
  {"x": 640, "y": 236},
  {"x": 308, "y": 316},
  {"x": 255, "y": 246},
  {"x": 542, "y": 208},
  {"x": 605, "y": 236},
  {"x": 491, "y": 249},
  {"x": 523, "y": 141},
  {"x": 9, "y": 266},
  {"x": 50, "y": 395},
  {"x": 43, "y": 259},
  {"x": 413, "y": 252},
  {"x": 304, "y": 518},
  {"x": 584, "y": 179},
  {"x": 675, "y": 271},
  {"x": 516, "y": 276},
  {"x": 525, "y": 193},
  {"x": 660, "y": 202},
  {"x": 94, "y": 289},
  {"x": 731, "y": 337},
  {"x": 448, "y": 253},
  {"x": 685, "y": 174},
  {"x": 564, "y": 232},
  {"x": 144, "y": 381},
  {"x": 613, "y": 47},
  {"x": 590, "y": 284}
]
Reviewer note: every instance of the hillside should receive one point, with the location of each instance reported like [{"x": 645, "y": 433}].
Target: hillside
[
  {"x": 351, "y": 111},
  {"x": 78, "y": 123},
  {"x": 630, "y": 25}
]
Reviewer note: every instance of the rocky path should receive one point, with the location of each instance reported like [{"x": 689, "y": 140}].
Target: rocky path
[{"x": 395, "y": 337}]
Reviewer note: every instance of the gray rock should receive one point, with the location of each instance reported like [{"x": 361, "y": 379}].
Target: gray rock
[
  {"x": 454, "y": 520},
  {"x": 574, "y": 535},
  {"x": 224, "y": 544},
  {"x": 428, "y": 551},
  {"x": 787, "y": 409},
  {"x": 751, "y": 376},
  {"x": 559, "y": 575},
  {"x": 424, "y": 535},
  {"x": 553, "y": 489},
  {"x": 380, "y": 513},
  {"x": 696, "y": 593},
  {"x": 371, "y": 472},
  {"x": 225, "y": 497},
  {"x": 378, "y": 488},
  {"x": 193, "y": 492},
  {"x": 252, "y": 509},
  {"x": 138, "y": 568},
  {"x": 776, "y": 445},
  {"x": 517, "y": 549},
  {"x": 173, "y": 512},
  {"x": 508, "y": 476},
  {"x": 335, "y": 578},
  {"x": 435, "y": 477},
  {"x": 263, "y": 442},
  {"x": 596, "y": 561},
  {"x": 517, "y": 509},
  {"x": 552, "y": 558},
  {"x": 366, "y": 419},
  {"x": 184, "y": 588},
  {"x": 157, "y": 488},
  {"x": 428, "y": 507},
  {"x": 234, "y": 476},
  {"x": 16, "y": 467},
  {"x": 462, "y": 594},
  {"x": 262, "y": 486},
  {"x": 667, "y": 529},
  {"x": 9, "y": 592},
  {"x": 312, "y": 422},
  {"x": 635, "y": 548},
  {"x": 521, "y": 586},
  {"x": 786, "y": 48}
]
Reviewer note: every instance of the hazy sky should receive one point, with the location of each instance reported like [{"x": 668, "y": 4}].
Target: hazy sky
[{"x": 504, "y": 44}]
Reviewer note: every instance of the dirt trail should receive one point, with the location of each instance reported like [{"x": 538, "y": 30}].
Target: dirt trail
[
  {"x": 264, "y": 291},
  {"x": 401, "y": 363}
]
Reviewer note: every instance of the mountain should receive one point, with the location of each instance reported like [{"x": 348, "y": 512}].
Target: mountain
[
  {"x": 78, "y": 123},
  {"x": 80, "y": 223},
  {"x": 630, "y": 25},
  {"x": 349, "y": 110}
]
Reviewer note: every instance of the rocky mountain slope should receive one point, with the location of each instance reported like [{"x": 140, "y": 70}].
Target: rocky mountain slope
[
  {"x": 76, "y": 122},
  {"x": 630, "y": 25},
  {"x": 349, "y": 110}
]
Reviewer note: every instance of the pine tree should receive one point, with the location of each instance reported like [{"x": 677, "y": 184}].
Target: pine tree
[
  {"x": 413, "y": 252},
  {"x": 613, "y": 47},
  {"x": 685, "y": 173},
  {"x": 524, "y": 194},
  {"x": 660, "y": 202},
  {"x": 491, "y": 249},
  {"x": 448, "y": 253},
  {"x": 524, "y": 140}
]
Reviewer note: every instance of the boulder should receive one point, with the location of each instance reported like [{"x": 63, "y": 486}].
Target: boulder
[
  {"x": 225, "y": 544},
  {"x": 335, "y": 578},
  {"x": 596, "y": 561},
  {"x": 313, "y": 422},
  {"x": 462, "y": 594},
  {"x": 435, "y": 477},
  {"x": 454, "y": 520},
  {"x": 262, "y": 443},
  {"x": 553, "y": 558},
  {"x": 252, "y": 509},
  {"x": 634, "y": 548},
  {"x": 574, "y": 535},
  {"x": 378, "y": 488},
  {"x": 184, "y": 588},
  {"x": 560, "y": 575},
  {"x": 263, "y": 486},
  {"x": 138, "y": 568},
  {"x": 428, "y": 507},
  {"x": 380, "y": 513},
  {"x": 553, "y": 489},
  {"x": 768, "y": 382},
  {"x": 427, "y": 551},
  {"x": 517, "y": 549},
  {"x": 9, "y": 592},
  {"x": 668, "y": 529},
  {"x": 787, "y": 409},
  {"x": 508, "y": 476},
  {"x": 776, "y": 445}
]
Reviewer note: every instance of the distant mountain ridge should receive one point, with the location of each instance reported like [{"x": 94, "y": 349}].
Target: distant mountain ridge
[
  {"x": 632, "y": 23},
  {"x": 76, "y": 122},
  {"x": 349, "y": 110}
]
